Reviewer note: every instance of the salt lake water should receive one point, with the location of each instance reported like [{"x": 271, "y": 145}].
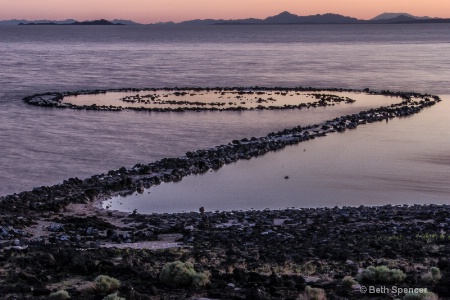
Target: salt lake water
[
  {"x": 403, "y": 161},
  {"x": 398, "y": 162}
]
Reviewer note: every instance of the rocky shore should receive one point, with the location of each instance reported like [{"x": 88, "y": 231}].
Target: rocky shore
[
  {"x": 56, "y": 238},
  {"x": 245, "y": 254}
]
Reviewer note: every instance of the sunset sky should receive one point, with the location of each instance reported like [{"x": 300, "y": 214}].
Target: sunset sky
[{"x": 151, "y": 11}]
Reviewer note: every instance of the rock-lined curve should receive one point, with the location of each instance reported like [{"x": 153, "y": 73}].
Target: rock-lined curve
[
  {"x": 55, "y": 99},
  {"x": 46, "y": 243},
  {"x": 142, "y": 176}
]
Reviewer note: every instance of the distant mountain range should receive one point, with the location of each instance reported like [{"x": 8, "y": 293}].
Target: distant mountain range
[
  {"x": 96, "y": 22},
  {"x": 288, "y": 18},
  {"x": 282, "y": 18},
  {"x": 68, "y": 22},
  {"x": 387, "y": 16}
]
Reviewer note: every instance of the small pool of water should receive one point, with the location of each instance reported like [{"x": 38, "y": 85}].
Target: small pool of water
[{"x": 403, "y": 161}]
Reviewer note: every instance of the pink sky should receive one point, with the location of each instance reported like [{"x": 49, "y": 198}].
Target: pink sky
[{"x": 151, "y": 11}]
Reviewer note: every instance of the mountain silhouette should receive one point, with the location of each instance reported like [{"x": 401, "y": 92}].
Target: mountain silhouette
[
  {"x": 387, "y": 16},
  {"x": 95, "y": 22},
  {"x": 288, "y": 18},
  {"x": 284, "y": 17}
]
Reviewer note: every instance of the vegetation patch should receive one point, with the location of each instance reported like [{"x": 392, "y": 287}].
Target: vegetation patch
[
  {"x": 311, "y": 293},
  {"x": 182, "y": 274},
  {"x": 348, "y": 282},
  {"x": 381, "y": 274},
  {"x": 421, "y": 296},
  {"x": 433, "y": 276},
  {"x": 113, "y": 297},
  {"x": 59, "y": 295},
  {"x": 106, "y": 284}
]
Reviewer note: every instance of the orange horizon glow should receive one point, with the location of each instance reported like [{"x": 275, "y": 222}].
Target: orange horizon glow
[{"x": 151, "y": 11}]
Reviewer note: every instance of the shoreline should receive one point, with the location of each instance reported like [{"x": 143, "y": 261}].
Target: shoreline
[
  {"x": 271, "y": 253},
  {"x": 58, "y": 238}
]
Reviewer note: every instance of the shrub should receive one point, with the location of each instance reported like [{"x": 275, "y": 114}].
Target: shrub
[
  {"x": 182, "y": 274},
  {"x": 422, "y": 296},
  {"x": 433, "y": 276},
  {"x": 59, "y": 295},
  {"x": 348, "y": 282},
  {"x": 106, "y": 284},
  {"x": 113, "y": 297},
  {"x": 436, "y": 273},
  {"x": 311, "y": 293},
  {"x": 381, "y": 274}
]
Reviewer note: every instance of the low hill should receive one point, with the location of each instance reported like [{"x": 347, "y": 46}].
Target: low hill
[
  {"x": 386, "y": 16},
  {"x": 288, "y": 18}
]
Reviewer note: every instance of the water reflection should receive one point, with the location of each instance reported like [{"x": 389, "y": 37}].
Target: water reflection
[{"x": 404, "y": 161}]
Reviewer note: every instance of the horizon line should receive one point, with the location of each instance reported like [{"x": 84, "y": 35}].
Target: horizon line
[{"x": 221, "y": 19}]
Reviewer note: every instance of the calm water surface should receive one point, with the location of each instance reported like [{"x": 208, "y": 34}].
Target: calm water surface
[
  {"x": 402, "y": 161},
  {"x": 45, "y": 146}
]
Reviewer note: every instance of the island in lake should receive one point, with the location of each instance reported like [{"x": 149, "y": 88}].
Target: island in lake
[{"x": 95, "y": 22}]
